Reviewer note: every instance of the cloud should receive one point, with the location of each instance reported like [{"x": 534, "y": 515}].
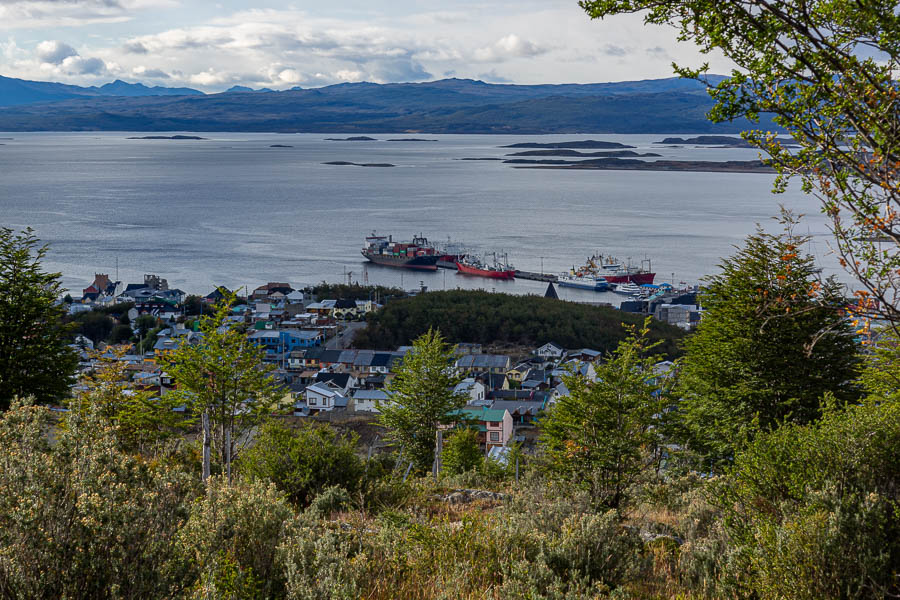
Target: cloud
[
  {"x": 19, "y": 14},
  {"x": 79, "y": 65},
  {"x": 656, "y": 51},
  {"x": 613, "y": 50},
  {"x": 510, "y": 46},
  {"x": 142, "y": 71},
  {"x": 493, "y": 77},
  {"x": 54, "y": 52}
]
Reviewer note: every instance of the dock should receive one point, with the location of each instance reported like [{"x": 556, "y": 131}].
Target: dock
[{"x": 536, "y": 276}]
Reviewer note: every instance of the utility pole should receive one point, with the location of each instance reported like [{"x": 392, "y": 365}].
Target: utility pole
[
  {"x": 542, "y": 265},
  {"x": 438, "y": 448}
]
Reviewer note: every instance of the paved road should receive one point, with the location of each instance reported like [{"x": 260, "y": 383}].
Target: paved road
[{"x": 349, "y": 330}]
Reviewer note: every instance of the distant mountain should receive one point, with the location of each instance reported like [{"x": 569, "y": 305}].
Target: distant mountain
[
  {"x": 445, "y": 106},
  {"x": 20, "y": 92},
  {"x": 243, "y": 88}
]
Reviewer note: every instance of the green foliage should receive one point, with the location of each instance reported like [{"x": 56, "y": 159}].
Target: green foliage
[
  {"x": 223, "y": 376},
  {"x": 462, "y": 452},
  {"x": 602, "y": 433},
  {"x": 140, "y": 422},
  {"x": 827, "y": 71},
  {"x": 234, "y": 531},
  {"x": 773, "y": 341},
  {"x": 94, "y": 325},
  {"x": 355, "y": 291},
  {"x": 422, "y": 397},
  {"x": 193, "y": 306},
  {"x": 487, "y": 318},
  {"x": 302, "y": 462},
  {"x": 34, "y": 357},
  {"x": 80, "y": 518},
  {"x": 120, "y": 334},
  {"x": 813, "y": 509}
]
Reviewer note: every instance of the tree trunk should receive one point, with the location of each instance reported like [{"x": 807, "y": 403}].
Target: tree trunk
[
  {"x": 228, "y": 453},
  {"x": 206, "y": 444}
]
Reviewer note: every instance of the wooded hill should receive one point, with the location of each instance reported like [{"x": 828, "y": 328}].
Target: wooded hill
[{"x": 486, "y": 318}]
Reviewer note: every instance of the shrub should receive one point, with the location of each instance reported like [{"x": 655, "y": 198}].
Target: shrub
[
  {"x": 461, "y": 452},
  {"x": 302, "y": 462}
]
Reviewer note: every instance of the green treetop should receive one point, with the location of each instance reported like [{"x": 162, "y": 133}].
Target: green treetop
[
  {"x": 773, "y": 341},
  {"x": 422, "y": 397},
  {"x": 223, "y": 379},
  {"x": 35, "y": 359},
  {"x": 601, "y": 435}
]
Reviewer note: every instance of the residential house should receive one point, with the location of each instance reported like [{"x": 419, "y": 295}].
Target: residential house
[
  {"x": 324, "y": 396},
  {"x": 368, "y": 400},
  {"x": 473, "y": 390},
  {"x": 266, "y": 291},
  {"x": 523, "y": 412},
  {"x": 483, "y": 363},
  {"x": 342, "y": 381},
  {"x": 495, "y": 427},
  {"x": 550, "y": 351}
]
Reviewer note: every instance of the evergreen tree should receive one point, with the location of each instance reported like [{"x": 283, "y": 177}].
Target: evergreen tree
[
  {"x": 35, "y": 359},
  {"x": 601, "y": 435},
  {"x": 774, "y": 339},
  {"x": 422, "y": 397}
]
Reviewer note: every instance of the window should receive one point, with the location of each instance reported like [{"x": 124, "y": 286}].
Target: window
[{"x": 495, "y": 436}]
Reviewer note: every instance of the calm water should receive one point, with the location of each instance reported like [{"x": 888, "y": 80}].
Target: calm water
[{"x": 231, "y": 210}]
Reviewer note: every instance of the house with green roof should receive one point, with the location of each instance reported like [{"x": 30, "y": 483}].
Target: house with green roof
[{"x": 495, "y": 426}]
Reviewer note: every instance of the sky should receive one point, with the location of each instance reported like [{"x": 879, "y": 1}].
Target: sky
[{"x": 212, "y": 46}]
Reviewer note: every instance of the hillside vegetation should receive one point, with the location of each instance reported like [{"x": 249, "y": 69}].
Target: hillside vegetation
[{"x": 486, "y": 318}]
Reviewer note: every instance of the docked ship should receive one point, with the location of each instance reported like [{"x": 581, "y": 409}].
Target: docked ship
[
  {"x": 615, "y": 272},
  {"x": 449, "y": 254},
  {"x": 584, "y": 282},
  {"x": 417, "y": 254},
  {"x": 473, "y": 266}
]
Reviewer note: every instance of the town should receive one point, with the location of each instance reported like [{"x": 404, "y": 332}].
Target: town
[{"x": 307, "y": 342}]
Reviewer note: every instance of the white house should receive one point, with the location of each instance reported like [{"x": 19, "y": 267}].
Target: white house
[
  {"x": 368, "y": 400},
  {"x": 323, "y": 396},
  {"x": 550, "y": 351},
  {"x": 475, "y": 390}
]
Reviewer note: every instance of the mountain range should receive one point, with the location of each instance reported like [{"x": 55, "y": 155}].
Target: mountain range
[{"x": 446, "y": 106}]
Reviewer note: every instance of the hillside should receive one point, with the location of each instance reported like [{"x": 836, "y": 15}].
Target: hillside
[
  {"x": 446, "y": 106},
  {"x": 489, "y": 318}
]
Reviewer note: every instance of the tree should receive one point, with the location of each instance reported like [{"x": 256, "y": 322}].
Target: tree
[
  {"x": 35, "y": 359},
  {"x": 223, "y": 379},
  {"x": 193, "y": 306},
  {"x": 773, "y": 341},
  {"x": 94, "y": 325},
  {"x": 602, "y": 434},
  {"x": 302, "y": 462},
  {"x": 422, "y": 397},
  {"x": 140, "y": 420},
  {"x": 462, "y": 452},
  {"x": 826, "y": 70},
  {"x": 120, "y": 334}
]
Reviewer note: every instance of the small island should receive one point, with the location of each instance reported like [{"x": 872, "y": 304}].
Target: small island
[
  {"x": 579, "y": 144},
  {"x": 357, "y": 138},
  {"x": 353, "y": 164},
  {"x": 280, "y": 146},
  {"x": 477, "y": 159},
  {"x": 603, "y": 153},
  {"x": 411, "y": 140},
  {"x": 620, "y": 164},
  {"x": 167, "y": 137},
  {"x": 709, "y": 140}
]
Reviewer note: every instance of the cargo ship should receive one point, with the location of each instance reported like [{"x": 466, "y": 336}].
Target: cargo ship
[
  {"x": 613, "y": 271},
  {"x": 472, "y": 266},
  {"x": 417, "y": 254},
  {"x": 449, "y": 254}
]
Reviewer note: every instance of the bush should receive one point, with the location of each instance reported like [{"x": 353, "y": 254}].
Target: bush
[
  {"x": 302, "y": 462},
  {"x": 81, "y": 519},
  {"x": 813, "y": 511},
  {"x": 461, "y": 452}
]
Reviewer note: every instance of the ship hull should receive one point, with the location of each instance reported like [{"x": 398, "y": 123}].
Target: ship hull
[
  {"x": 637, "y": 278},
  {"x": 469, "y": 270},
  {"x": 419, "y": 263},
  {"x": 584, "y": 285}
]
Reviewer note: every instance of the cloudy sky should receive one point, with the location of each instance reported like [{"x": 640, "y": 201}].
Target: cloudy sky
[{"x": 212, "y": 46}]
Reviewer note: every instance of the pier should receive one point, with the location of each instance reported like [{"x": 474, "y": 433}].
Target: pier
[{"x": 536, "y": 276}]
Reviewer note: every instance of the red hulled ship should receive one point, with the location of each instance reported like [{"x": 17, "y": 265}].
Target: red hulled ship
[{"x": 497, "y": 270}]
